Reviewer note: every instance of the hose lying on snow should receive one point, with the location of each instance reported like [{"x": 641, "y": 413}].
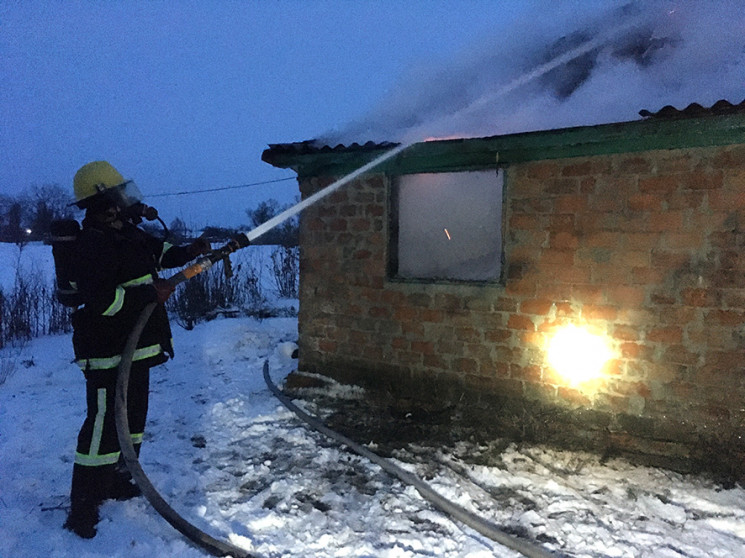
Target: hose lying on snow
[
  {"x": 452, "y": 509},
  {"x": 191, "y": 532}
]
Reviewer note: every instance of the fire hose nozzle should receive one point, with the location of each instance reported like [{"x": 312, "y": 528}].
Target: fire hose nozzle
[{"x": 240, "y": 240}]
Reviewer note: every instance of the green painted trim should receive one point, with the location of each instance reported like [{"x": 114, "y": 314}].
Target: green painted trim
[{"x": 480, "y": 153}]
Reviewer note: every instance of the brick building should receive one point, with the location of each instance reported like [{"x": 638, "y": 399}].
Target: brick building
[{"x": 631, "y": 231}]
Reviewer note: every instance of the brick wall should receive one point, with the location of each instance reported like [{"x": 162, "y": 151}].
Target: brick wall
[{"x": 645, "y": 248}]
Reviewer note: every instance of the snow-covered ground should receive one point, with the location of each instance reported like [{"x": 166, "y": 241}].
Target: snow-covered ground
[{"x": 224, "y": 452}]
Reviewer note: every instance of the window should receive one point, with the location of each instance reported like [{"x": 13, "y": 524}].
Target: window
[{"x": 447, "y": 226}]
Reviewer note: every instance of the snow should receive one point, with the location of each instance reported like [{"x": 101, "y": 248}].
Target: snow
[
  {"x": 231, "y": 459},
  {"x": 32, "y": 259}
]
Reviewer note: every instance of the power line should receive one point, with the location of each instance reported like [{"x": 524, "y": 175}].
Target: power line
[{"x": 186, "y": 193}]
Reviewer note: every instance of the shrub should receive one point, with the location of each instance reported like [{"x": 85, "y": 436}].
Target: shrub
[
  {"x": 211, "y": 293},
  {"x": 285, "y": 269},
  {"x": 30, "y": 310}
]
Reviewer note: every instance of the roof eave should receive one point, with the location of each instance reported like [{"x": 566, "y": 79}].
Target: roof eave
[{"x": 457, "y": 155}]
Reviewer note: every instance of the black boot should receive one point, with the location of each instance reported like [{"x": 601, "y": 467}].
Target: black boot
[
  {"x": 122, "y": 485},
  {"x": 89, "y": 488},
  {"x": 123, "y": 488},
  {"x": 83, "y": 517}
]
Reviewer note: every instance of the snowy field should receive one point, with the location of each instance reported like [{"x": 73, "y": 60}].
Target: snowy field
[
  {"x": 36, "y": 258},
  {"x": 224, "y": 452}
]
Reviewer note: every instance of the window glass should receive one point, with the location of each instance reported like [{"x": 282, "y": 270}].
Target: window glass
[{"x": 449, "y": 226}]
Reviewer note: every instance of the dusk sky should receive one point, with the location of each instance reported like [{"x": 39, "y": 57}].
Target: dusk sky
[{"x": 184, "y": 96}]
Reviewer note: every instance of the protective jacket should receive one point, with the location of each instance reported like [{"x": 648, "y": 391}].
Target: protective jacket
[{"x": 115, "y": 279}]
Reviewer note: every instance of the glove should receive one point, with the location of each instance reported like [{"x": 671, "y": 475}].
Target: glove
[
  {"x": 198, "y": 247},
  {"x": 163, "y": 290}
]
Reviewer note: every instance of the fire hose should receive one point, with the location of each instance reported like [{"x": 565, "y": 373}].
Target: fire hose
[
  {"x": 450, "y": 508},
  {"x": 200, "y": 538},
  {"x": 217, "y": 547}
]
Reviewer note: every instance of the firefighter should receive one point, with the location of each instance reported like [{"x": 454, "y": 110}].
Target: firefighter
[{"x": 116, "y": 271}]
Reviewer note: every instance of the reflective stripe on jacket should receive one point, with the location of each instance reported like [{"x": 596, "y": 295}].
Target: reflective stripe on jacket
[{"x": 116, "y": 269}]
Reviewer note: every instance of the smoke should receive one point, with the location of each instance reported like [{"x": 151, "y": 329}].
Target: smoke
[{"x": 542, "y": 75}]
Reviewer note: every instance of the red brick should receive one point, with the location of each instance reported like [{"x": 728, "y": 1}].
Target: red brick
[
  {"x": 610, "y": 274},
  {"x": 467, "y": 365},
  {"x": 530, "y": 373},
  {"x": 400, "y": 343},
  {"x": 338, "y": 225},
  {"x": 577, "y": 169},
  {"x": 641, "y": 241},
  {"x": 625, "y": 333},
  {"x": 609, "y": 202},
  {"x": 327, "y": 346},
  {"x": 379, "y": 312},
  {"x": 435, "y": 361},
  {"x": 590, "y": 222},
  {"x": 726, "y": 317},
  {"x": 562, "y": 274},
  {"x": 573, "y": 396},
  {"x": 588, "y": 294},
  {"x": 561, "y": 186},
  {"x": 524, "y": 287},
  {"x": 679, "y": 354},
  {"x": 536, "y": 306},
  {"x": 422, "y": 347},
  {"x": 359, "y": 225},
  {"x": 631, "y": 350},
  {"x": 702, "y": 180},
  {"x": 557, "y": 257},
  {"x": 646, "y": 276},
  {"x": 561, "y": 223},
  {"x": 633, "y": 165},
  {"x": 669, "y": 260},
  {"x": 570, "y": 204},
  {"x": 665, "y": 221},
  {"x": 518, "y": 321},
  {"x": 644, "y": 202},
  {"x": 697, "y": 297},
  {"x": 679, "y": 240},
  {"x": 563, "y": 240},
  {"x": 542, "y": 170},
  {"x": 720, "y": 200},
  {"x": 665, "y": 335},
  {"x": 526, "y": 222},
  {"x": 602, "y": 239},
  {"x": 432, "y": 316},
  {"x": 626, "y": 295},
  {"x": 666, "y": 183},
  {"x": 374, "y": 210},
  {"x": 599, "y": 312},
  {"x": 497, "y": 335},
  {"x": 531, "y": 205},
  {"x": 632, "y": 388}
]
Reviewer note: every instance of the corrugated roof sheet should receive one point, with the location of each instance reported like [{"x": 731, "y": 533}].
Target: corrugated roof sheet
[
  {"x": 694, "y": 109},
  {"x": 312, "y": 147}
]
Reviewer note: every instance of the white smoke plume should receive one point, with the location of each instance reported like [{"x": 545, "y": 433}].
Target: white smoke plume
[{"x": 643, "y": 55}]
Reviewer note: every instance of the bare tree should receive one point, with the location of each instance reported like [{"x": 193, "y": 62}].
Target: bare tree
[
  {"x": 45, "y": 204},
  {"x": 284, "y": 234}
]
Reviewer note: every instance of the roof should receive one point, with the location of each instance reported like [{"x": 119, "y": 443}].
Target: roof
[
  {"x": 668, "y": 128},
  {"x": 313, "y": 146}
]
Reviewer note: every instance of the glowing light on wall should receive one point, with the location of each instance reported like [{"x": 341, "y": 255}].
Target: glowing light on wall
[{"x": 577, "y": 354}]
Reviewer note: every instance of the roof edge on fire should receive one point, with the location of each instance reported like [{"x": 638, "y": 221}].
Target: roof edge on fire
[{"x": 668, "y": 128}]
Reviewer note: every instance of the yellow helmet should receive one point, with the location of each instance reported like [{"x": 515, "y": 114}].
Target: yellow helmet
[{"x": 94, "y": 178}]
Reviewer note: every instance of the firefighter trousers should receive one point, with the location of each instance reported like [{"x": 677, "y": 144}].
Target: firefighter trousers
[{"x": 98, "y": 453}]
